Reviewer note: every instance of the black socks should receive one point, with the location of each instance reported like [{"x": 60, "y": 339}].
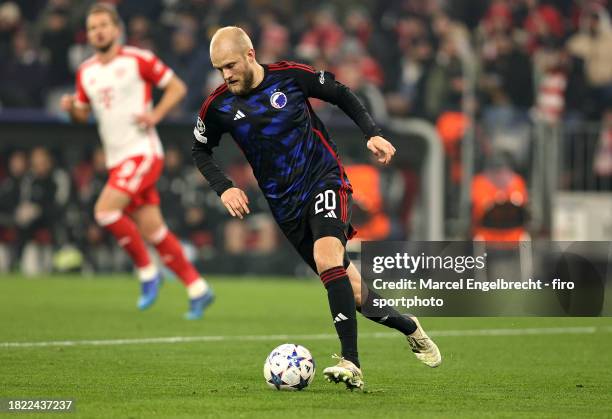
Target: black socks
[
  {"x": 385, "y": 315},
  {"x": 342, "y": 306},
  {"x": 343, "y": 310}
]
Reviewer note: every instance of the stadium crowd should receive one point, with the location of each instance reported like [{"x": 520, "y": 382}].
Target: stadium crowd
[
  {"x": 506, "y": 63},
  {"x": 417, "y": 56},
  {"x": 47, "y": 222}
]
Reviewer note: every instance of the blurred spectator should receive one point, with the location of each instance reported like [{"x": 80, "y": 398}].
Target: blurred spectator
[
  {"x": 10, "y": 193},
  {"x": 350, "y": 75},
  {"x": 445, "y": 28},
  {"x": 359, "y": 25},
  {"x": 188, "y": 59},
  {"x": 506, "y": 84},
  {"x": 274, "y": 44},
  {"x": 45, "y": 193},
  {"x": 497, "y": 20},
  {"x": 551, "y": 76},
  {"x": 56, "y": 37},
  {"x": 10, "y": 22},
  {"x": 445, "y": 83},
  {"x": 22, "y": 74},
  {"x": 470, "y": 12},
  {"x": 417, "y": 55},
  {"x": 544, "y": 25},
  {"x": 226, "y": 12},
  {"x": 352, "y": 53},
  {"x": 140, "y": 33},
  {"x": 593, "y": 46},
  {"x": 150, "y": 9},
  {"x": 499, "y": 203},
  {"x": 323, "y": 38}
]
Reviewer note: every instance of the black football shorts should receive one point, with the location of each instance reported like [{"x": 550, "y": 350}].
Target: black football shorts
[{"x": 327, "y": 214}]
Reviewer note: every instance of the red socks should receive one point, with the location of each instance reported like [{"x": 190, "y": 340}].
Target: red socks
[
  {"x": 171, "y": 253},
  {"x": 166, "y": 243},
  {"x": 127, "y": 235}
]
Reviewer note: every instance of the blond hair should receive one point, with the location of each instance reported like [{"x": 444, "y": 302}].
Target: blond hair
[{"x": 105, "y": 8}]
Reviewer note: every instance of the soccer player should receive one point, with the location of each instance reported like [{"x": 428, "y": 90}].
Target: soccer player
[
  {"x": 116, "y": 85},
  {"x": 265, "y": 108}
]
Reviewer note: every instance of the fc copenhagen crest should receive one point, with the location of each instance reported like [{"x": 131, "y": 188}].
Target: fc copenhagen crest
[{"x": 278, "y": 100}]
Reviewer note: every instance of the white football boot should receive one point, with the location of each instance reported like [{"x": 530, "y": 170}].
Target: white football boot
[
  {"x": 423, "y": 347},
  {"x": 344, "y": 372}
]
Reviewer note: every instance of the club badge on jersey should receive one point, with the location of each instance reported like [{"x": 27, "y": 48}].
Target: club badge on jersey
[{"x": 278, "y": 100}]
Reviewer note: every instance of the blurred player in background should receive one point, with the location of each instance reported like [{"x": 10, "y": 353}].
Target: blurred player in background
[
  {"x": 266, "y": 110},
  {"x": 116, "y": 84}
]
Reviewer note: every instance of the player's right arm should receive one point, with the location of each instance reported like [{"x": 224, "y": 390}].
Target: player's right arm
[
  {"x": 77, "y": 104},
  {"x": 207, "y": 134},
  {"x": 77, "y": 113}
]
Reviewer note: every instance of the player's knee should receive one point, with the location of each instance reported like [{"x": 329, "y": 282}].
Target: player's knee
[
  {"x": 328, "y": 253},
  {"x": 106, "y": 218},
  {"x": 326, "y": 261},
  {"x": 155, "y": 234}
]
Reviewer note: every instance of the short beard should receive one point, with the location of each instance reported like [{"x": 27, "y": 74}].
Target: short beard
[
  {"x": 247, "y": 84},
  {"x": 105, "y": 48}
]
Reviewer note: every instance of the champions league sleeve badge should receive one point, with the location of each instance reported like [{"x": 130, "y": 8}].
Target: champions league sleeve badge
[{"x": 199, "y": 131}]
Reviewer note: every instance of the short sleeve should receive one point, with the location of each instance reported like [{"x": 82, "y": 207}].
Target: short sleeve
[{"x": 154, "y": 70}]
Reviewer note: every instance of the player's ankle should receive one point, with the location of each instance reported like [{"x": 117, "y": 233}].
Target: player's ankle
[
  {"x": 148, "y": 273},
  {"x": 197, "y": 288},
  {"x": 352, "y": 357}
]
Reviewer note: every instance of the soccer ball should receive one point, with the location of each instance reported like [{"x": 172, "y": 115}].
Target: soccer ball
[{"x": 289, "y": 367}]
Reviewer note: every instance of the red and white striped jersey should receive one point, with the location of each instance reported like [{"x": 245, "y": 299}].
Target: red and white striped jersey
[
  {"x": 117, "y": 92},
  {"x": 551, "y": 96}
]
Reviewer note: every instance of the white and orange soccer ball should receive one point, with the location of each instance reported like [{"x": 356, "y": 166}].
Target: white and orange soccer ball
[{"x": 289, "y": 367}]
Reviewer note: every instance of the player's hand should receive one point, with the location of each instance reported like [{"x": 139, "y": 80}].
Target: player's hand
[
  {"x": 147, "y": 120},
  {"x": 67, "y": 102},
  {"x": 236, "y": 202},
  {"x": 382, "y": 149}
]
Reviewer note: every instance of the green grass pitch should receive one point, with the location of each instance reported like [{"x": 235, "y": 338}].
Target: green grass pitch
[{"x": 549, "y": 374}]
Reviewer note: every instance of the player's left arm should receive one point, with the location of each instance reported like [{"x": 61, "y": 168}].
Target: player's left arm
[
  {"x": 174, "y": 92},
  {"x": 154, "y": 71},
  {"x": 323, "y": 85}
]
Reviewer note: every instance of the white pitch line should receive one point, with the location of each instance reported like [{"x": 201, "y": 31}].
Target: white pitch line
[{"x": 294, "y": 338}]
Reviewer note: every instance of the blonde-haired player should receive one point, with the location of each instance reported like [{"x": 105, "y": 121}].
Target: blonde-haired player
[
  {"x": 116, "y": 84},
  {"x": 266, "y": 110}
]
